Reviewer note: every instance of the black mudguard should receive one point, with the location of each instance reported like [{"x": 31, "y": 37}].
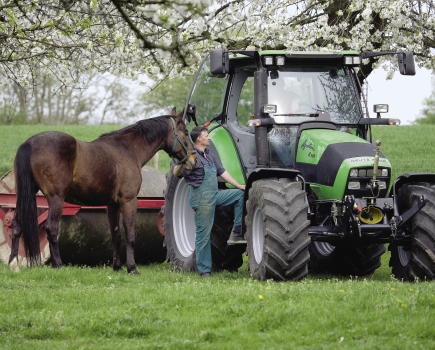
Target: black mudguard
[{"x": 412, "y": 178}]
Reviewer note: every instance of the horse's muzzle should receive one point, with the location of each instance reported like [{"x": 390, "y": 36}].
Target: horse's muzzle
[{"x": 190, "y": 162}]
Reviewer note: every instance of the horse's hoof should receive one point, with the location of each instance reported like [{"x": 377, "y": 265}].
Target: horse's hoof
[
  {"x": 14, "y": 265},
  {"x": 118, "y": 269},
  {"x": 134, "y": 272}
]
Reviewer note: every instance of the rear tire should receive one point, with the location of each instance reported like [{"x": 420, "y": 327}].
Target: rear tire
[
  {"x": 353, "y": 261},
  {"x": 416, "y": 262},
  {"x": 277, "y": 230},
  {"x": 180, "y": 230}
]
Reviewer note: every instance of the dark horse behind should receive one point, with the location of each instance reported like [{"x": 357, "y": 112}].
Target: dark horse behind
[{"x": 106, "y": 171}]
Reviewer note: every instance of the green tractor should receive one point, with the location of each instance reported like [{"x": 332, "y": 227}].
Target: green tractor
[{"x": 294, "y": 127}]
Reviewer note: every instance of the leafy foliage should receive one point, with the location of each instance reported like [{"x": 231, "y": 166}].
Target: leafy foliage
[
  {"x": 162, "y": 38},
  {"x": 165, "y": 95}
]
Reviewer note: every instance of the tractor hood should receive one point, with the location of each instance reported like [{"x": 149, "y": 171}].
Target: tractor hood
[{"x": 322, "y": 153}]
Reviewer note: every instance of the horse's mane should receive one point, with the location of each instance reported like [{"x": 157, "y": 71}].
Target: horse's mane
[{"x": 149, "y": 129}]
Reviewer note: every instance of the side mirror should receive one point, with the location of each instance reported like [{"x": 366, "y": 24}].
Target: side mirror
[
  {"x": 219, "y": 61},
  {"x": 380, "y": 109},
  {"x": 406, "y": 63},
  {"x": 190, "y": 113}
]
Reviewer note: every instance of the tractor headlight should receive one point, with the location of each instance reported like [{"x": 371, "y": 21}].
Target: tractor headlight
[
  {"x": 352, "y": 60},
  {"x": 382, "y": 185},
  {"x": 354, "y": 185},
  {"x": 269, "y": 108},
  {"x": 280, "y": 60},
  {"x": 356, "y": 60},
  {"x": 394, "y": 122},
  {"x": 348, "y": 60},
  {"x": 380, "y": 108},
  {"x": 384, "y": 172},
  {"x": 268, "y": 60},
  {"x": 353, "y": 173}
]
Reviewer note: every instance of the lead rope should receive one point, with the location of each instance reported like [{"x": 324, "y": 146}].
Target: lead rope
[{"x": 182, "y": 144}]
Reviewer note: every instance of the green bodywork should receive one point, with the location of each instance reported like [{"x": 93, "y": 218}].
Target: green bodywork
[
  {"x": 227, "y": 153},
  {"x": 318, "y": 139}
]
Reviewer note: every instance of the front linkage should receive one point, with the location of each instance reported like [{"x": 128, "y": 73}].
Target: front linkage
[{"x": 368, "y": 219}]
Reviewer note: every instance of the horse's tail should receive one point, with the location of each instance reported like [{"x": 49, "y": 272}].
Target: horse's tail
[{"x": 26, "y": 213}]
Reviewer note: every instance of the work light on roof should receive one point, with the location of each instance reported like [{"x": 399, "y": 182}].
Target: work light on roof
[
  {"x": 268, "y": 60},
  {"x": 280, "y": 60},
  {"x": 352, "y": 60}
]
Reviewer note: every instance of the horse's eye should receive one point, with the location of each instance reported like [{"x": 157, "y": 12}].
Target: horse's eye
[{"x": 186, "y": 133}]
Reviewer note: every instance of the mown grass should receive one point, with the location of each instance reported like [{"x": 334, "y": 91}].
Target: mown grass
[{"x": 95, "y": 308}]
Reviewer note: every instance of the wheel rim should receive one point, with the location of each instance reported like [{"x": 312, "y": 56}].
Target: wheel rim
[
  {"x": 324, "y": 248},
  {"x": 257, "y": 235},
  {"x": 184, "y": 222},
  {"x": 404, "y": 256}
]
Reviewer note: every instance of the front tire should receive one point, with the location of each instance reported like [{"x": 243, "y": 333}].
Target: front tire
[
  {"x": 417, "y": 261},
  {"x": 277, "y": 230},
  {"x": 180, "y": 230}
]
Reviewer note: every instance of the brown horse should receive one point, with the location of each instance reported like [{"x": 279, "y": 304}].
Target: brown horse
[{"x": 106, "y": 171}]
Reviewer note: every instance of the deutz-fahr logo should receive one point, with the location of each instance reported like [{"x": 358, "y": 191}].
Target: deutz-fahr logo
[{"x": 308, "y": 143}]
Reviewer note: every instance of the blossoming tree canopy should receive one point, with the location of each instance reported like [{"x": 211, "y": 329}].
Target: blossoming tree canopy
[{"x": 129, "y": 37}]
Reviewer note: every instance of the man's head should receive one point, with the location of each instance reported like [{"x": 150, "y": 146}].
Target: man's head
[{"x": 200, "y": 137}]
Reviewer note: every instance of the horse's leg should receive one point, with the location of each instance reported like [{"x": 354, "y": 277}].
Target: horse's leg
[
  {"x": 128, "y": 217},
  {"x": 16, "y": 234},
  {"x": 113, "y": 215},
  {"x": 55, "y": 210}
]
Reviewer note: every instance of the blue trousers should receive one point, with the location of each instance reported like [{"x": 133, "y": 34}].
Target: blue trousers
[{"x": 203, "y": 201}]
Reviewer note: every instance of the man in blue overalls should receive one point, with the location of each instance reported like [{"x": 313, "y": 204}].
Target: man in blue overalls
[{"x": 204, "y": 197}]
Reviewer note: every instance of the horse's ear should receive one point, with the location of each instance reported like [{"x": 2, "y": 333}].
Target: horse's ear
[
  {"x": 174, "y": 111},
  {"x": 181, "y": 114}
]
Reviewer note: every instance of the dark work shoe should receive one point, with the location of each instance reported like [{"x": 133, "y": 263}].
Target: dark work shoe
[
  {"x": 236, "y": 238},
  {"x": 205, "y": 274}
]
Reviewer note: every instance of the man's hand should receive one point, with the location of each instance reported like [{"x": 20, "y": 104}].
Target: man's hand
[
  {"x": 228, "y": 178},
  {"x": 178, "y": 169}
]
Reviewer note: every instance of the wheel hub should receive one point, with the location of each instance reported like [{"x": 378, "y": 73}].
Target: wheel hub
[
  {"x": 257, "y": 235},
  {"x": 324, "y": 248},
  {"x": 184, "y": 222},
  {"x": 404, "y": 256}
]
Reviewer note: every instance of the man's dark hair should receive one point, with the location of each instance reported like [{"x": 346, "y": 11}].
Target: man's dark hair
[{"x": 196, "y": 132}]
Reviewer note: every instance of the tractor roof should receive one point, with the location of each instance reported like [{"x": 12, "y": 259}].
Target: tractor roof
[{"x": 310, "y": 54}]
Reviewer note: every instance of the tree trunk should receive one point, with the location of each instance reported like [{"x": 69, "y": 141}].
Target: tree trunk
[
  {"x": 41, "y": 113},
  {"x": 50, "y": 118},
  {"x": 22, "y": 100},
  {"x": 36, "y": 96}
]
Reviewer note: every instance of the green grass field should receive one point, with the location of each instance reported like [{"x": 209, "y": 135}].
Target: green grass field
[{"x": 95, "y": 308}]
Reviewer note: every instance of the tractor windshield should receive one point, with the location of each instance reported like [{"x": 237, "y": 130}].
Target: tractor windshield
[{"x": 307, "y": 93}]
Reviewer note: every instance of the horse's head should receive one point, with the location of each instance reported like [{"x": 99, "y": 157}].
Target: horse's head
[{"x": 182, "y": 146}]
